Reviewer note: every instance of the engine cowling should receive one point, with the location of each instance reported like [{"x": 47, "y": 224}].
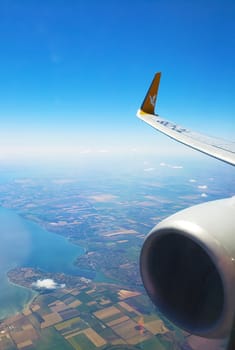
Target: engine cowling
[{"x": 187, "y": 265}]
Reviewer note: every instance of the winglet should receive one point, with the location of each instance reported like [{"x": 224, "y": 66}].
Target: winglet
[{"x": 148, "y": 106}]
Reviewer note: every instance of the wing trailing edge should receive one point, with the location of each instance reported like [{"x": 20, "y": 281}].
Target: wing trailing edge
[{"x": 214, "y": 147}]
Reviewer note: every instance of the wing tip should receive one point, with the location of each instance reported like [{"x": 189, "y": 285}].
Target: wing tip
[{"x": 149, "y": 103}]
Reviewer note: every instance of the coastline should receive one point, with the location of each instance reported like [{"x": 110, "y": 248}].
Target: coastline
[
  {"x": 24, "y": 306},
  {"x": 59, "y": 254},
  {"x": 69, "y": 267}
]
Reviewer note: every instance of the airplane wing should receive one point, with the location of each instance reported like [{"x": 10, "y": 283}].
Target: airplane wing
[{"x": 214, "y": 147}]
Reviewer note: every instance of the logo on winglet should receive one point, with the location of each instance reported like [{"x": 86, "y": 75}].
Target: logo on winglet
[{"x": 153, "y": 100}]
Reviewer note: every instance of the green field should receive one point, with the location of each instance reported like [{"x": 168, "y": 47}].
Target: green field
[
  {"x": 153, "y": 344},
  {"x": 44, "y": 300},
  {"x": 67, "y": 324},
  {"x": 121, "y": 347},
  {"x": 81, "y": 342},
  {"x": 51, "y": 339},
  {"x": 84, "y": 297},
  {"x": 108, "y": 334}
]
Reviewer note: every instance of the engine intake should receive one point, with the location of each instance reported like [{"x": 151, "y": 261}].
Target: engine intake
[{"x": 188, "y": 268}]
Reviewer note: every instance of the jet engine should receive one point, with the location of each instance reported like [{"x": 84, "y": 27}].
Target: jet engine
[{"x": 187, "y": 265}]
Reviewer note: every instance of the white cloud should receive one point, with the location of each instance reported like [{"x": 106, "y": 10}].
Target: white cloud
[
  {"x": 176, "y": 166},
  {"x": 192, "y": 180},
  {"x": 202, "y": 187},
  {"x": 47, "y": 283},
  {"x": 171, "y": 166},
  {"x": 204, "y": 195},
  {"x": 149, "y": 169}
]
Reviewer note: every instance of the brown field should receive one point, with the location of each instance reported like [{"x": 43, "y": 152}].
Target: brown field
[
  {"x": 91, "y": 291},
  {"x": 129, "y": 331},
  {"x": 156, "y": 327},
  {"x": 24, "y": 344},
  {"x": 27, "y": 326},
  {"x": 128, "y": 307},
  {"x": 74, "y": 292},
  {"x": 94, "y": 337},
  {"x": 91, "y": 303},
  {"x": 57, "y": 306},
  {"x": 118, "y": 342},
  {"x": 126, "y": 330},
  {"x": 35, "y": 307},
  {"x": 71, "y": 335},
  {"x": 117, "y": 321},
  {"x": 105, "y": 302},
  {"x": 27, "y": 312},
  {"x": 13, "y": 319},
  {"x": 123, "y": 294},
  {"x": 23, "y": 336},
  {"x": 51, "y": 319},
  {"x": 121, "y": 232},
  {"x": 74, "y": 304},
  {"x": 107, "y": 312}
]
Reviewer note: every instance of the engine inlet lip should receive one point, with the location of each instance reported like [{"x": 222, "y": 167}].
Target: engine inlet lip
[{"x": 214, "y": 251}]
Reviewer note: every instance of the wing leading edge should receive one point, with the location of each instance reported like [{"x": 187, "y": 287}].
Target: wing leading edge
[{"x": 214, "y": 147}]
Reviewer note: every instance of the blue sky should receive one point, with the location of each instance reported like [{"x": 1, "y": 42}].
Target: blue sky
[{"x": 74, "y": 72}]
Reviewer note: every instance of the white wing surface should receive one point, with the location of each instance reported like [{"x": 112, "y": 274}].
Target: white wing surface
[{"x": 214, "y": 147}]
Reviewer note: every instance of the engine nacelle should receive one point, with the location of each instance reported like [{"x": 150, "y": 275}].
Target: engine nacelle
[{"x": 187, "y": 266}]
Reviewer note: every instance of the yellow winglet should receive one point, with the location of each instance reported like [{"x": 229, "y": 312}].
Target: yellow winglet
[{"x": 148, "y": 106}]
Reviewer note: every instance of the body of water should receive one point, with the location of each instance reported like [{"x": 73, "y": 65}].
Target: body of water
[{"x": 24, "y": 243}]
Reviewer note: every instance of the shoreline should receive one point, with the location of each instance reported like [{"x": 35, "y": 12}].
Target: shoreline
[
  {"x": 14, "y": 301},
  {"x": 25, "y": 305}
]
